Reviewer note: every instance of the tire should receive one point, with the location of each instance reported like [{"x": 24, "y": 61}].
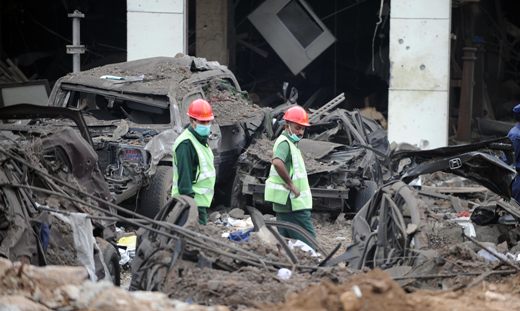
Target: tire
[
  {"x": 111, "y": 258},
  {"x": 155, "y": 196}
]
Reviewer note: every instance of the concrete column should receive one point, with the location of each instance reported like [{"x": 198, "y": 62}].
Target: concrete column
[
  {"x": 419, "y": 72},
  {"x": 156, "y": 28},
  {"x": 211, "y": 30},
  {"x": 466, "y": 95}
]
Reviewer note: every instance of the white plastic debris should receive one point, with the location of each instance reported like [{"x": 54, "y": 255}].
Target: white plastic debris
[
  {"x": 127, "y": 246},
  {"x": 284, "y": 274},
  {"x": 487, "y": 256},
  {"x": 125, "y": 257},
  {"x": 110, "y": 77},
  {"x": 240, "y": 223},
  {"x": 357, "y": 291},
  {"x": 83, "y": 240},
  {"x": 466, "y": 223},
  {"x": 303, "y": 246}
]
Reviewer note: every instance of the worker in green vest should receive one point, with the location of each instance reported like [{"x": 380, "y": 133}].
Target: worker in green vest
[
  {"x": 287, "y": 186},
  {"x": 193, "y": 168}
]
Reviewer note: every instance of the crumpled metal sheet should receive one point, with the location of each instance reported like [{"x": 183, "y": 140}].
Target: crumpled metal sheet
[
  {"x": 317, "y": 149},
  {"x": 82, "y": 158},
  {"x": 472, "y": 161}
]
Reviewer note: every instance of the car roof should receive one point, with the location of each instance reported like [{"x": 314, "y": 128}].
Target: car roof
[{"x": 153, "y": 76}]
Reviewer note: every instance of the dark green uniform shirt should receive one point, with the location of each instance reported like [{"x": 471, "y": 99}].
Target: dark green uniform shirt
[
  {"x": 283, "y": 152},
  {"x": 187, "y": 163}
]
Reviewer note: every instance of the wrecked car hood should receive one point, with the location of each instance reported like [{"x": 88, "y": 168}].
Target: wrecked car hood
[{"x": 473, "y": 161}]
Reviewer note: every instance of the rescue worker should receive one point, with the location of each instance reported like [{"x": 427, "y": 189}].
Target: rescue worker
[
  {"x": 287, "y": 186},
  {"x": 514, "y": 136},
  {"x": 194, "y": 171}
]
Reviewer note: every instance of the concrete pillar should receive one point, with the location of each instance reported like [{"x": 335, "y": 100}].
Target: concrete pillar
[
  {"x": 156, "y": 28},
  {"x": 419, "y": 72},
  {"x": 466, "y": 95},
  {"x": 211, "y": 30}
]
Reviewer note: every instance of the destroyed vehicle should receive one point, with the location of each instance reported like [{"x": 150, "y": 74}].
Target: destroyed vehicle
[
  {"x": 135, "y": 110},
  {"x": 483, "y": 162},
  {"x": 407, "y": 228},
  {"x": 53, "y": 195},
  {"x": 342, "y": 151}
]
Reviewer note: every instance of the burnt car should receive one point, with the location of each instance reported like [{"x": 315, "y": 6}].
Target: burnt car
[
  {"x": 135, "y": 110},
  {"x": 411, "y": 227},
  {"x": 342, "y": 151},
  {"x": 53, "y": 197}
]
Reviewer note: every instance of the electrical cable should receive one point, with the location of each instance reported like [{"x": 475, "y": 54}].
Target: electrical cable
[{"x": 375, "y": 32}]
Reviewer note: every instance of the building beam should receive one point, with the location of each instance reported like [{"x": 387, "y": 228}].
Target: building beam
[
  {"x": 419, "y": 72},
  {"x": 156, "y": 28},
  {"x": 211, "y": 30}
]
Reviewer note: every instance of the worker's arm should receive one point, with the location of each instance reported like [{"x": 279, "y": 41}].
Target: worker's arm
[
  {"x": 186, "y": 161},
  {"x": 279, "y": 166}
]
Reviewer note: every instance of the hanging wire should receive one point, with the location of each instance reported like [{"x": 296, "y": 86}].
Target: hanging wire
[
  {"x": 343, "y": 9},
  {"x": 375, "y": 31}
]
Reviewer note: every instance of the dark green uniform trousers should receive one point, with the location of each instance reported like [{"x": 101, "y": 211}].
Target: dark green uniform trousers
[
  {"x": 203, "y": 215},
  {"x": 301, "y": 218}
]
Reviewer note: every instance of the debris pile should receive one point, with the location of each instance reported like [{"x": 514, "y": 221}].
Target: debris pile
[
  {"x": 26, "y": 287},
  {"x": 46, "y": 213},
  {"x": 376, "y": 290},
  {"x": 403, "y": 213}
]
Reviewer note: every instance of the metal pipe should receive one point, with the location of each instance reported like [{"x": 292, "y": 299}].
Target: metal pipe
[
  {"x": 76, "y": 48},
  {"x": 497, "y": 256}
]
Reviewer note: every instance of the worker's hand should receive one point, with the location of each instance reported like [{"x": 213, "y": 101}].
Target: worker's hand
[{"x": 293, "y": 189}]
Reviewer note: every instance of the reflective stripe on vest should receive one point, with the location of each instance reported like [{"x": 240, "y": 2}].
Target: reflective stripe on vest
[
  {"x": 206, "y": 175},
  {"x": 274, "y": 185}
]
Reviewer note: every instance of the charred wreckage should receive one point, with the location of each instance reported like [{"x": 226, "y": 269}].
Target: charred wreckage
[{"x": 66, "y": 170}]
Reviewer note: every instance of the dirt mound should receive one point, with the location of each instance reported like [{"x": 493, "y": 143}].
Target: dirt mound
[
  {"x": 375, "y": 291},
  {"x": 371, "y": 291}
]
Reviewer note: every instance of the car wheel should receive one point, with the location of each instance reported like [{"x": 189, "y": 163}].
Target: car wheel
[
  {"x": 153, "y": 197},
  {"x": 111, "y": 258}
]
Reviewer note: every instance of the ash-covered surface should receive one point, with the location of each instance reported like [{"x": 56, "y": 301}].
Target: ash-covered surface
[
  {"x": 230, "y": 105},
  {"x": 61, "y": 249},
  {"x": 159, "y": 73},
  {"x": 262, "y": 149},
  {"x": 251, "y": 287}
]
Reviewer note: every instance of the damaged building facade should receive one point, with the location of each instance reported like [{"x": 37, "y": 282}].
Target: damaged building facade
[
  {"x": 463, "y": 56},
  {"x": 407, "y": 163}
]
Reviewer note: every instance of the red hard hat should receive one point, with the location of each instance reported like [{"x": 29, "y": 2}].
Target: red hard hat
[
  {"x": 297, "y": 115},
  {"x": 200, "y": 109}
]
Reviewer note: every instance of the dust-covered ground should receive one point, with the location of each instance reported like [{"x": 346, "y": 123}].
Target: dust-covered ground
[{"x": 251, "y": 287}]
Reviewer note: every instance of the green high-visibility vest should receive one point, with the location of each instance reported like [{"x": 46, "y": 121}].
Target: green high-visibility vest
[
  {"x": 204, "y": 184},
  {"x": 274, "y": 185}
]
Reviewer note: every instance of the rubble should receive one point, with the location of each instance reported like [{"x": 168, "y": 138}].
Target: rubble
[
  {"x": 431, "y": 219},
  {"x": 375, "y": 290},
  {"x": 25, "y": 287}
]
